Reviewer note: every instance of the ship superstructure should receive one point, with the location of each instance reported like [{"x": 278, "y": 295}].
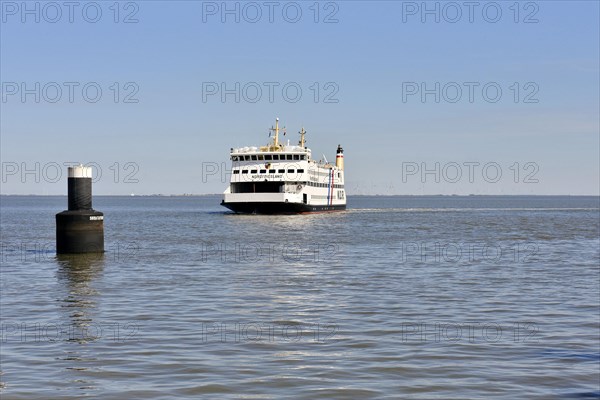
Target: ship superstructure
[{"x": 284, "y": 178}]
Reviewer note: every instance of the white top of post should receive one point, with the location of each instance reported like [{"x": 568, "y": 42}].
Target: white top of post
[{"x": 80, "y": 172}]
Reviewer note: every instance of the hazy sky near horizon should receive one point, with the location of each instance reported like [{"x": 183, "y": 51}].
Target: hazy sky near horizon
[{"x": 458, "y": 98}]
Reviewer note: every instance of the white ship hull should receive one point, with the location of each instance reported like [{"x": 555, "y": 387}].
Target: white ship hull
[
  {"x": 273, "y": 207},
  {"x": 307, "y": 199}
]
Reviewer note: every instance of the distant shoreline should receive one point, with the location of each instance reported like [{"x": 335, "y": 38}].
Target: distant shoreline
[{"x": 350, "y": 195}]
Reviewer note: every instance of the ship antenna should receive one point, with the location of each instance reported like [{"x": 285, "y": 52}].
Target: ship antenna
[{"x": 302, "y": 141}]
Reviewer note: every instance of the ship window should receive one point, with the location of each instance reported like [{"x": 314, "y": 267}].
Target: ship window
[
  {"x": 268, "y": 157},
  {"x": 281, "y": 171},
  {"x": 263, "y": 171},
  {"x": 257, "y": 187},
  {"x": 253, "y": 158},
  {"x": 339, "y": 174},
  {"x": 275, "y": 157},
  {"x": 245, "y": 171},
  {"x": 288, "y": 156},
  {"x": 236, "y": 171},
  {"x": 290, "y": 171},
  {"x": 300, "y": 171},
  {"x": 260, "y": 157},
  {"x": 234, "y": 158},
  {"x": 253, "y": 171},
  {"x": 303, "y": 157},
  {"x": 271, "y": 171},
  {"x": 296, "y": 157}
]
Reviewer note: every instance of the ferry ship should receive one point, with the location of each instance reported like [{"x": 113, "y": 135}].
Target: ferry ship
[{"x": 283, "y": 178}]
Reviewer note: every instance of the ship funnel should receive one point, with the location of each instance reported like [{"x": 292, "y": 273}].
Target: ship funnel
[{"x": 339, "y": 158}]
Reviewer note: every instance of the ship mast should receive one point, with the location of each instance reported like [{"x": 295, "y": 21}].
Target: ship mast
[
  {"x": 302, "y": 133},
  {"x": 276, "y": 130}
]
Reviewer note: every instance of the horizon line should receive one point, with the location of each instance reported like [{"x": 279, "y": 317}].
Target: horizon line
[{"x": 349, "y": 195}]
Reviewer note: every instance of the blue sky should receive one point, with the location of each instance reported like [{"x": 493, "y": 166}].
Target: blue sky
[{"x": 542, "y": 133}]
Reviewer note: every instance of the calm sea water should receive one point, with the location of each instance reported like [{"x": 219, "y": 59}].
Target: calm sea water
[{"x": 397, "y": 297}]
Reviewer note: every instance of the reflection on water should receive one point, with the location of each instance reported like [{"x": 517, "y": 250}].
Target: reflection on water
[
  {"x": 78, "y": 300},
  {"x": 75, "y": 273}
]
